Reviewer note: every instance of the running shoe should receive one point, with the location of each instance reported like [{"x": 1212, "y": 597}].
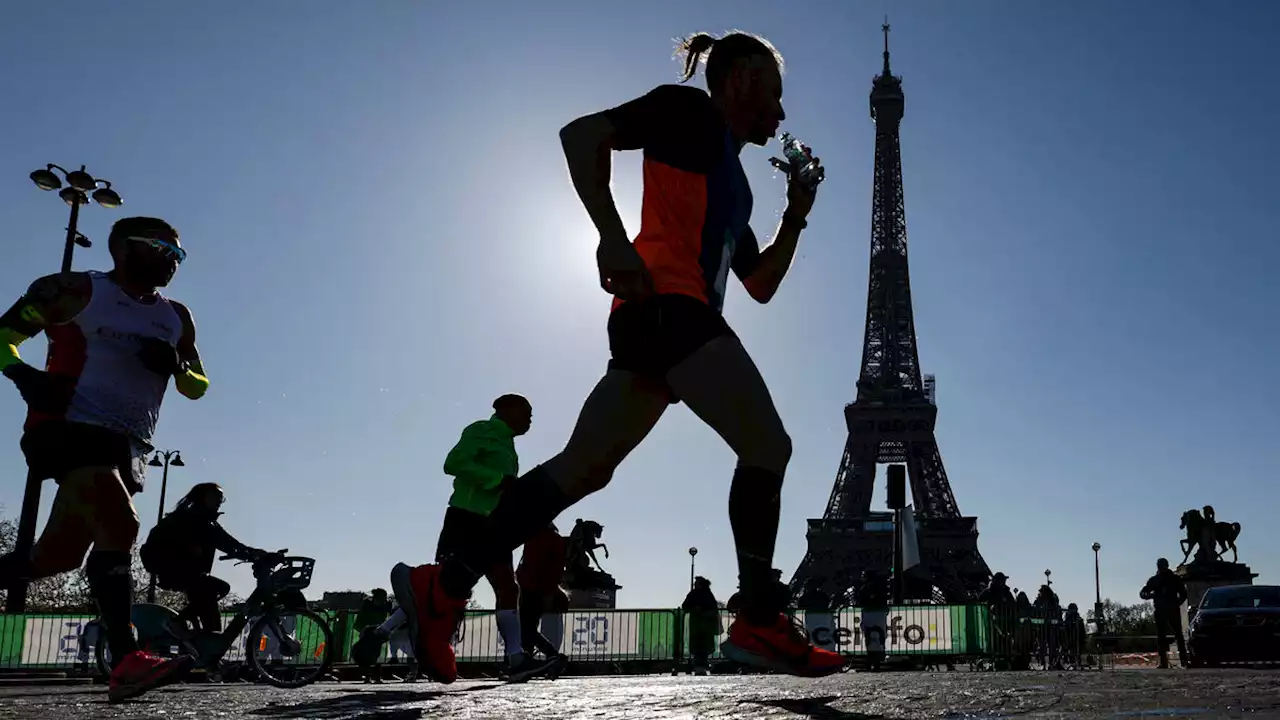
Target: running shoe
[
  {"x": 558, "y": 664},
  {"x": 433, "y": 618},
  {"x": 526, "y": 666},
  {"x": 782, "y": 646},
  {"x": 139, "y": 672}
]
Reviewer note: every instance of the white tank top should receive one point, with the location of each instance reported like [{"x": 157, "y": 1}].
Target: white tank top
[{"x": 99, "y": 348}]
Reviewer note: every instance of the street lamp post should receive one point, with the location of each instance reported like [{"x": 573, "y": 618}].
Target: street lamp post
[
  {"x": 693, "y": 552},
  {"x": 1097, "y": 591},
  {"x": 80, "y": 187},
  {"x": 164, "y": 459}
]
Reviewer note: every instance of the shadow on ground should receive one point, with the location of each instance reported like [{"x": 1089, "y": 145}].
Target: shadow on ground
[
  {"x": 816, "y": 708},
  {"x": 377, "y": 705}
]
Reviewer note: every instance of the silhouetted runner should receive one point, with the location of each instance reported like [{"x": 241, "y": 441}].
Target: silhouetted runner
[
  {"x": 668, "y": 339},
  {"x": 114, "y": 345}
]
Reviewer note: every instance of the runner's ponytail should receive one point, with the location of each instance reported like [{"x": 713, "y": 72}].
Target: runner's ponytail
[
  {"x": 721, "y": 53},
  {"x": 694, "y": 48}
]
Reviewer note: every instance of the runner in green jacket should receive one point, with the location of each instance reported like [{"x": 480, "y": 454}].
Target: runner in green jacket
[
  {"x": 482, "y": 460},
  {"x": 482, "y": 463}
]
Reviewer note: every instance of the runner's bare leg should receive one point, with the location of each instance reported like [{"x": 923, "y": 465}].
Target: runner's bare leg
[{"x": 722, "y": 386}]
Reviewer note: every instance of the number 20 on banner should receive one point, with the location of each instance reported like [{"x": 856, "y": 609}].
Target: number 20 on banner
[{"x": 591, "y": 630}]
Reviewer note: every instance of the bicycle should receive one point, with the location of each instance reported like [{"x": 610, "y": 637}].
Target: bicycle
[{"x": 276, "y": 575}]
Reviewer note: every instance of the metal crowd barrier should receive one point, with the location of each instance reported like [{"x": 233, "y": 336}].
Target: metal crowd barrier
[{"x": 653, "y": 639}]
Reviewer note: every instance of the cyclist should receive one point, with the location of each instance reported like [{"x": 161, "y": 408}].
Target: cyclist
[
  {"x": 180, "y": 551},
  {"x": 668, "y": 340},
  {"x": 483, "y": 465},
  {"x": 114, "y": 344}
]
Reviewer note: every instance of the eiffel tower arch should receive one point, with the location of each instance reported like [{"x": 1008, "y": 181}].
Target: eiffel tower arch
[{"x": 892, "y": 418}]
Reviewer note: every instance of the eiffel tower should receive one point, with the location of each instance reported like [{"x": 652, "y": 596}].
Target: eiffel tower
[{"x": 892, "y": 418}]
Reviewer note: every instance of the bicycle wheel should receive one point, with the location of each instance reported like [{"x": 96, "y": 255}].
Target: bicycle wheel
[
  {"x": 289, "y": 649},
  {"x": 102, "y": 656}
]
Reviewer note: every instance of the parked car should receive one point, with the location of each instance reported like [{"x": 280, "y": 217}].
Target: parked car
[{"x": 1236, "y": 623}]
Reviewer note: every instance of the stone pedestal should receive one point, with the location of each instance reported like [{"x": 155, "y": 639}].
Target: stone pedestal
[
  {"x": 1200, "y": 576},
  {"x": 591, "y": 589},
  {"x": 593, "y": 598}
]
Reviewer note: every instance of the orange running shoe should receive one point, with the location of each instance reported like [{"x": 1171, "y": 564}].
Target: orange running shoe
[
  {"x": 139, "y": 672},
  {"x": 782, "y": 646},
  {"x": 433, "y": 618}
]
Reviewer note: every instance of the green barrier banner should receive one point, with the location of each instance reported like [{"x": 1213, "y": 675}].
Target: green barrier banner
[
  {"x": 907, "y": 630},
  {"x": 588, "y": 635}
]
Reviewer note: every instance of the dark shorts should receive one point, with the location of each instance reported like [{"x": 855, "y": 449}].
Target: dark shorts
[
  {"x": 651, "y": 336},
  {"x": 461, "y": 532},
  {"x": 55, "y": 447}
]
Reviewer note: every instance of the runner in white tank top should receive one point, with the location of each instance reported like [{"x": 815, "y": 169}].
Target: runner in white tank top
[
  {"x": 114, "y": 343},
  {"x": 99, "y": 349}
]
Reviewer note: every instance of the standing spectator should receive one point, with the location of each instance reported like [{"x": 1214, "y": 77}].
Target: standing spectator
[
  {"x": 1073, "y": 633},
  {"x": 1166, "y": 591},
  {"x": 703, "y": 615},
  {"x": 1004, "y": 619},
  {"x": 373, "y": 611},
  {"x": 873, "y": 601}
]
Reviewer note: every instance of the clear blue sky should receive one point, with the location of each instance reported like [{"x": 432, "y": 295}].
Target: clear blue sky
[{"x": 383, "y": 238}]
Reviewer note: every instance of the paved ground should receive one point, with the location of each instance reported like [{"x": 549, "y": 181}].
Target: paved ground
[{"x": 946, "y": 696}]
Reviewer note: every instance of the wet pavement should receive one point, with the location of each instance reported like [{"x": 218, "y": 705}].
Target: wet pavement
[{"x": 946, "y": 696}]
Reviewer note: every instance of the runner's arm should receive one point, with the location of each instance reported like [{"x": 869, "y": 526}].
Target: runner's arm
[
  {"x": 762, "y": 271},
  {"x": 50, "y": 300},
  {"x": 462, "y": 462},
  {"x": 588, "y": 142},
  {"x": 190, "y": 379}
]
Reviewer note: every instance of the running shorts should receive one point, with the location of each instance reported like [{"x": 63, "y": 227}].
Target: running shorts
[
  {"x": 54, "y": 448},
  {"x": 649, "y": 337}
]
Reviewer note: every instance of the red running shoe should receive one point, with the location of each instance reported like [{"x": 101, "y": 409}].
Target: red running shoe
[
  {"x": 139, "y": 672},
  {"x": 782, "y": 646},
  {"x": 433, "y": 618}
]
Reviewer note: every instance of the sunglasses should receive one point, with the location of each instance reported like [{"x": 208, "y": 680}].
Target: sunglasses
[{"x": 164, "y": 247}]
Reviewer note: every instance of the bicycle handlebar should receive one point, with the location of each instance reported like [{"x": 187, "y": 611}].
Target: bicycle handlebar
[{"x": 273, "y": 556}]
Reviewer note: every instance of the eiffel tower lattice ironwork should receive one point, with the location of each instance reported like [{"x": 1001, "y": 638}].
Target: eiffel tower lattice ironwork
[{"x": 892, "y": 418}]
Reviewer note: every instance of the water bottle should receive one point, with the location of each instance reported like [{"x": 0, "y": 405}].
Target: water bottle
[{"x": 799, "y": 159}]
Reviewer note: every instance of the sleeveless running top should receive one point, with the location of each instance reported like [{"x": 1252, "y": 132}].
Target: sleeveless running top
[{"x": 98, "y": 351}]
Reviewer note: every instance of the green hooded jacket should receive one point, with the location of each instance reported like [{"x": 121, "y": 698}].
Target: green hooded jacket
[{"x": 484, "y": 455}]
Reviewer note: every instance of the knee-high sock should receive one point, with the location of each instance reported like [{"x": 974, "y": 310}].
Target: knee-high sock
[
  {"x": 111, "y": 585},
  {"x": 552, "y": 627},
  {"x": 509, "y": 629},
  {"x": 755, "y": 503},
  {"x": 527, "y": 506}
]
